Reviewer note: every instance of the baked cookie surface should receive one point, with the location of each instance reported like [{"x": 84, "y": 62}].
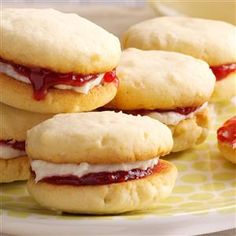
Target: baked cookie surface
[
  {"x": 210, "y": 40},
  {"x": 15, "y": 169},
  {"x": 107, "y": 199},
  {"x": 14, "y": 123},
  {"x": 98, "y": 138},
  {"x": 61, "y": 42},
  {"x": 225, "y": 89},
  {"x": 161, "y": 80},
  {"x": 20, "y": 95}
]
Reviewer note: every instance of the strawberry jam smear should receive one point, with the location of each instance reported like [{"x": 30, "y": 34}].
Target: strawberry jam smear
[
  {"x": 42, "y": 79},
  {"x": 227, "y": 133},
  {"x": 102, "y": 178},
  {"x": 19, "y": 145},
  {"x": 223, "y": 71}
]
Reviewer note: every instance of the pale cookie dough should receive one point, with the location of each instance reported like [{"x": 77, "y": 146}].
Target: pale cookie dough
[
  {"x": 161, "y": 80},
  {"x": 98, "y": 138},
  {"x": 210, "y": 40},
  {"x": 140, "y": 194},
  {"x": 20, "y": 95},
  {"x": 14, "y": 123},
  {"x": 14, "y": 169},
  {"x": 57, "y": 41}
]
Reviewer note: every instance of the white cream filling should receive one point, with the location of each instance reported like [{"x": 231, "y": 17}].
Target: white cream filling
[
  {"x": 173, "y": 118},
  {"x": 8, "y": 152},
  {"x": 9, "y": 70},
  {"x": 45, "y": 169},
  {"x": 82, "y": 89}
]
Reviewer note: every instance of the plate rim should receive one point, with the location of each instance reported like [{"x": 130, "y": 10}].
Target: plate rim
[{"x": 184, "y": 225}]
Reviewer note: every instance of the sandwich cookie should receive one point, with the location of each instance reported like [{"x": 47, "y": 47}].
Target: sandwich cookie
[
  {"x": 53, "y": 62},
  {"x": 226, "y": 136},
  {"x": 100, "y": 163},
  {"x": 210, "y": 40},
  {"x": 14, "y": 123},
  {"x": 171, "y": 87}
]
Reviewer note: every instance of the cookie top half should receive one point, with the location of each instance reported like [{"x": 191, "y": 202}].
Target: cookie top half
[
  {"x": 14, "y": 122},
  {"x": 156, "y": 79},
  {"x": 98, "y": 138},
  {"x": 61, "y": 42},
  {"x": 210, "y": 40}
]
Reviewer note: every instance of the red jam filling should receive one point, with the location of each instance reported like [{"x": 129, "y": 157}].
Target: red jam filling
[
  {"x": 223, "y": 71},
  {"x": 227, "y": 133},
  {"x": 102, "y": 178},
  {"x": 143, "y": 112},
  {"x": 180, "y": 110},
  {"x": 19, "y": 145},
  {"x": 43, "y": 79}
]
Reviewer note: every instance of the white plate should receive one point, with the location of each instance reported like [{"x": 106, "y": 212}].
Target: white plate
[
  {"x": 203, "y": 200},
  {"x": 150, "y": 225}
]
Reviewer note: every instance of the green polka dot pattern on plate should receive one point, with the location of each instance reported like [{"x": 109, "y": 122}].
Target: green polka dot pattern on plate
[{"x": 206, "y": 183}]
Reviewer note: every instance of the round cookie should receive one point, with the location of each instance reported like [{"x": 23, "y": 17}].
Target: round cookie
[
  {"x": 226, "y": 136},
  {"x": 159, "y": 84},
  {"x": 20, "y": 95},
  {"x": 107, "y": 162},
  {"x": 14, "y": 122},
  {"x": 61, "y": 42},
  {"x": 15, "y": 169},
  {"x": 228, "y": 84},
  {"x": 161, "y": 80},
  {"x": 98, "y": 138},
  {"x": 144, "y": 193},
  {"x": 200, "y": 38},
  {"x": 13, "y": 126},
  {"x": 81, "y": 78},
  {"x": 190, "y": 132}
]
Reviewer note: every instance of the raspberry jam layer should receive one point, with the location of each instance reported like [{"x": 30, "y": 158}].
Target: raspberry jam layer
[
  {"x": 142, "y": 112},
  {"x": 223, "y": 71},
  {"x": 19, "y": 145},
  {"x": 102, "y": 178},
  {"x": 181, "y": 110},
  {"x": 227, "y": 133},
  {"x": 43, "y": 79}
]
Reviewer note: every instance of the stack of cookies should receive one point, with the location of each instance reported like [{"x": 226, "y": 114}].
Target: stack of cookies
[
  {"x": 50, "y": 63},
  {"x": 150, "y": 100},
  {"x": 181, "y": 105},
  {"x": 170, "y": 87},
  {"x": 104, "y": 162}
]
